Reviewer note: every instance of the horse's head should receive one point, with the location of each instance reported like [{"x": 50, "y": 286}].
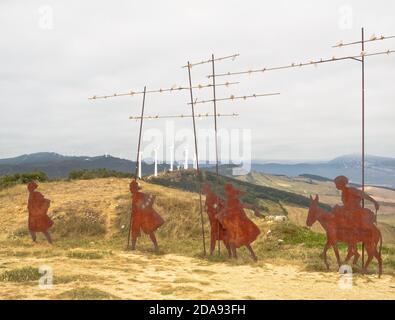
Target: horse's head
[{"x": 312, "y": 215}]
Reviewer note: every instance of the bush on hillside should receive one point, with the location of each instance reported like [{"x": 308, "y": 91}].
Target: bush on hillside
[
  {"x": 86, "y": 174},
  {"x": 78, "y": 219},
  {"x": 22, "y": 178}
]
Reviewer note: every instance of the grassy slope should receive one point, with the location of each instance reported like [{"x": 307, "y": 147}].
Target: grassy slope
[
  {"x": 268, "y": 199},
  {"x": 91, "y": 218}
]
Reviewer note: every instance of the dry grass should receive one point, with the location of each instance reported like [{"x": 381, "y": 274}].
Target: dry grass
[{"x": 89, "y": 262}]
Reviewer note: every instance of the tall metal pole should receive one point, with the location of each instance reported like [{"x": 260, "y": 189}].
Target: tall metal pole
[
  {"x": 216, "y": 146},
  {"x": 197, "y": 158},
  {"x": 363, "y": 131},
  {"x": 141, "y": 127},
  {"x": 363, "y": 114},
  {"x": 137, "y": 159}
]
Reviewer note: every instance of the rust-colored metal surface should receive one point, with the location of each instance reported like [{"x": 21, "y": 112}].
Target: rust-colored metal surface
[
  {"x": 38, "y": 207},
  {"x": 144, "y": 216},
  {"x": 241, "y": 231},
  {"x": 350, "y": 223},
  {"x": 213, "y": 205}
]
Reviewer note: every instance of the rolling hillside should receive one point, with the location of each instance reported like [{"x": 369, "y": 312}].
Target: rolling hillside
[
  {"x": 89, "y": 260},
  {"x": 269, "y": 200}
]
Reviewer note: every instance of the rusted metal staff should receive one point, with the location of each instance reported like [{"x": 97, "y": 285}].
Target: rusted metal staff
[
  {"x": 363, "y": 132},
  {"x": 137, "y": 159},
  {"x": 363, "y": 114},
  {"x": 197, "y": 158},
  {"x": 216, "y": 147}
]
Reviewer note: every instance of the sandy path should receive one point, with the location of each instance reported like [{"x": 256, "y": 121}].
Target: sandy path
[{"x": 138, "y": 276}]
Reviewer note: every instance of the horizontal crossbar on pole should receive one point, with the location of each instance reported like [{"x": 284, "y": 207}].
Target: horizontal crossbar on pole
[
  {"x": 190, "y": 65},
  {"x": 232, "y": 97},
  {"x": 183, "y": 116},
  {"x": 302, "y": 64},
  {"x": 174, "y": 88},
  {"x": 373, "y": 38}
]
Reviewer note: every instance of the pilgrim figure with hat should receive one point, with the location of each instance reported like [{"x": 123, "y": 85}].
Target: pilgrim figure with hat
[
  {"x": 241, "y": 231},
  {"x": 213, "y": 205},
  {"x": 144, "y": 216},
  {"x": 352, "y": 209},
  {"x": 38, "y": 213}
]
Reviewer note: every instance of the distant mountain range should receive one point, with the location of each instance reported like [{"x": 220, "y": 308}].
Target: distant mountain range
[
  {"x": 379, "y": 171},
  {"x": 59, "y": 166}
]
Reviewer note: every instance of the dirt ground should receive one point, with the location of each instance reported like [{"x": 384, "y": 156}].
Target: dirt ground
[{"x": 127, "y": 275}]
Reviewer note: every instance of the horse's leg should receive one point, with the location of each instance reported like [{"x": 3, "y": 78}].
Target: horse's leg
[
  {"x": 379, "y": 261},
  {"x": 327, "y": 245},
  {"x": 350, "y": 253},
  {"x": 378, "y": 252},
  {"x": 228, "y": 248},
  {"x": 252, "y": 252},
  {"x": 336, "y": 250},
  {"x": 370, "y": 252},
  {"x": 356, "y": 254},
  {"x": 377, "y": 255},
  {"x": 233, "y": 250}
]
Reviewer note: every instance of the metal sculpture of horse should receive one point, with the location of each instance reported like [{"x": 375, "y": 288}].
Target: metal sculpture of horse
[{"x": 339, "y": 229}]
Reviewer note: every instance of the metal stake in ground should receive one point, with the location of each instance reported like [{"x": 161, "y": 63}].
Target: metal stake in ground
[
  {"x": 137, "y": 159},
  {"x": 216, "y": 146},
  {"x": 363, "y": 131},
  {"x": 197, "y": 158}
]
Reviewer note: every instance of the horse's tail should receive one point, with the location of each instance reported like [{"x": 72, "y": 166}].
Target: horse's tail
[
  {"x": 380, "y": 259},
  {"x": 381, "y": 242}
]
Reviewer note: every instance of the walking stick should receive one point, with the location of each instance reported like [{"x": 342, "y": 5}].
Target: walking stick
[
  {"x": 137, "y": 161},
  {"x": 197, "y": 158}
]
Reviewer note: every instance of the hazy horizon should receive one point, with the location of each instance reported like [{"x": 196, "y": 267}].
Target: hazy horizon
[{"x": 256, "y": 161}]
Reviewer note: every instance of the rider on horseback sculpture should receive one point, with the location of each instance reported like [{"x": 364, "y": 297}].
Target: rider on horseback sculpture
[{"x": 352, "y": 209}]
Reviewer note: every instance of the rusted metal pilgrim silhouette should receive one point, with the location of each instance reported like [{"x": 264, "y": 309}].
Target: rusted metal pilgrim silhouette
[
  {"x": 213, "y": 205},
  {"x": 350, "y": 223},
  {"x": 38, "y": 208},
  {"x": 144, "y": 216},
  {"x": 240, "y": 230}
]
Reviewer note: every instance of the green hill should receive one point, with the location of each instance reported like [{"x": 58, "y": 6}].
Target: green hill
[{"x": 267, "y": 199}]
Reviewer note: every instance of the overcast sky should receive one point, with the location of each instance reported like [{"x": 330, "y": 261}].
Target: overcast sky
[{"x": 55, "y": 54}]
